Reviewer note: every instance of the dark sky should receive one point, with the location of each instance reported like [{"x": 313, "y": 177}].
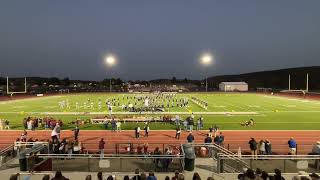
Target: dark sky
[{"x": 156, "y": 39}]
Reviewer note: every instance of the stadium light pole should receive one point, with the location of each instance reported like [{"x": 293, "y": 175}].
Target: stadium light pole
[
  {"x": 110, "y": 61},
  {"x": 206, "y": 60}
]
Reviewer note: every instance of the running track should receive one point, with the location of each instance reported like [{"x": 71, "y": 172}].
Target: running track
[{"x": 235, "y": 139}]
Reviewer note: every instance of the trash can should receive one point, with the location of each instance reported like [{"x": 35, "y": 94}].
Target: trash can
[
  {"x": 190, "y": 157},
  {"x": 23, "y": 164}
]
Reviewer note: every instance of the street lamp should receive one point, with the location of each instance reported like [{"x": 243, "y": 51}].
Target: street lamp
[
  {"x": 110, "y": 61},
  {"x": 206, "y": 60}
]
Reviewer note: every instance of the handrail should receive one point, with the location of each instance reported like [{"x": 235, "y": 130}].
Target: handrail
[
  {"x": 8, "y": 148},
  {"x": 106, "y": 156},
  {"x": 275, "y": 157}
]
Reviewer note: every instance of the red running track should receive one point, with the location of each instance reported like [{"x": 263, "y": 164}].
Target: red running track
[{"x": 233, "y": 139}]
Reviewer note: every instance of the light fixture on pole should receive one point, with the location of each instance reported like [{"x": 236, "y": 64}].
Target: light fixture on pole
[
  {"x": 206, "y": 60},
  {"x": 110, "y": 61}
]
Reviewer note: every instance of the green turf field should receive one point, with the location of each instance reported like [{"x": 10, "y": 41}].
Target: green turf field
[{"x": 269, "y": 112}]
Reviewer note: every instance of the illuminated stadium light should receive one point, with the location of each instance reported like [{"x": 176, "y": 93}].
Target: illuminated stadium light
[
  {"x": 110, "y": 60},
  {"x": 206, "y": 59}
]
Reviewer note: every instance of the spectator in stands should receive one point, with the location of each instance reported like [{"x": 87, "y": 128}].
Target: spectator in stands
[
  {"x": 76, "y": 131},
  {"x": 145, "y": 148},
  {"x": 59, "y": 176},
  {"x": 77, "y": 147},
  {"x": 62, "y": 146},
  {"x": 99, "y": 176},
  {"x": 143, "y": 176},
  {"x": 292, "y": 146},
  {"x": 215, "y": 130},
  {"x": 126, "y": 178},
  {"x": 264, "y": 175},
  {"x": 268, "y": 147},
  {"x": 23, "y": 136},
  {"x": 278, "y": 175},
  {"x": 136, "y": 175},
  {"x": 139, "y": 149},
  {"x": 221, "y": 139},
  {"x": 196, "y": 176},
  {"x": 190, "y": 138},
  {"x": 176, "y": 174},
  {"x": 151, "y": 176},
  {"x": 110, "y": 178},
  {"x": 216, "y": 140},
  {"x": 181, "y": 177},
  {"x": 178, "y": 132},
  {"x": 208, "y": 139},
  {"x": 253, "y": 148},
  {"x": 250, "y": 174},
  {"x": 210, "y": 178},
  {"x": 157, "y": 152},
  {"x": 14, "y": 177},
  {"x": 46, "y": 177},
  {"x": 88, "y": 177},
  {"x": 316, "y": 151},
  {"x": 101, "y": 148},
  {"x": 314, "y": 176},
  {"x": 167, "y": 178},
  {"x": 258, "y": 172},
  {"x": 69, "y": 148},
  {"x": 262, "y": 148},
  {"x": 55, "y": 134},
  {"x": 210, "y": 131}
]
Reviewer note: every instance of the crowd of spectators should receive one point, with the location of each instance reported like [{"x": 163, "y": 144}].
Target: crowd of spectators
[
  {"x": 258, "y": 174},
  {"x": 137, "y": 176},
  {"x": 31, "y": 123}
]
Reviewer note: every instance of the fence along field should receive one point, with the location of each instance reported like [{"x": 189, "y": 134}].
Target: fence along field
[{"x": 226, "y": 110}]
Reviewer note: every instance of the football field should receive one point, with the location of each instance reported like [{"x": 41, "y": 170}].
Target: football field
[{"x": 226, "y": 110}]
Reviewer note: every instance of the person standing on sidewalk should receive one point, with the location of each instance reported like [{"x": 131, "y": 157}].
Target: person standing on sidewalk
[
  {"x": 101, "y": 148},
  {"x": 76, "y": 132},
  {"x": 253, "y": 147}
]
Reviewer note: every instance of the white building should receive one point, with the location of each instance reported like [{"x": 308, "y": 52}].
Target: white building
[{"x": 233, "y": 86}]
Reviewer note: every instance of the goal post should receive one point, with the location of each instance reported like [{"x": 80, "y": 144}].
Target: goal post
[{"x": 24, "y": 91}]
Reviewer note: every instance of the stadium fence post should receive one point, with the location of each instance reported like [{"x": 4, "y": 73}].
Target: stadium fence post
[
  {"x": 297, "y": 149},
  {"x": 229, "y": 147}
]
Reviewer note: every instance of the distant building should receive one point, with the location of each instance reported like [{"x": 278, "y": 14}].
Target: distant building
[{"x": 233, "y": 86}]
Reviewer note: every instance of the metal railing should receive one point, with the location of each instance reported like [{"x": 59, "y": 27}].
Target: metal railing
[
  {"x": 6, "y": 155},
  {"x": 106, "y": 162},
  {"x": 235, "y": 164}
]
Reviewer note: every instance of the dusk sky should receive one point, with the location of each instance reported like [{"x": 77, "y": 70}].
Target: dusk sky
[{"x": 156, "y": 39}]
